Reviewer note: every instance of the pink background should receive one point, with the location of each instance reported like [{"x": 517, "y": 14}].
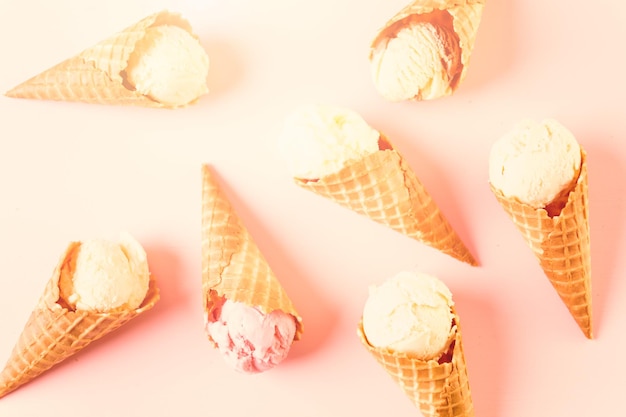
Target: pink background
[{"x": 74, "y": 171}]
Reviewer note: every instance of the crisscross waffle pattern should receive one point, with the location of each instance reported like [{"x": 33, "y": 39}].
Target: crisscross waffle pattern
[
  {"x": 53, "y": 332},
  {"x": 233, "y": 267},
  {"x": 96, "y": 74},
  {"x": 383, "y": 187},
  {"x": 438, "y": 388},
  {"x": 562, "y": 246}
]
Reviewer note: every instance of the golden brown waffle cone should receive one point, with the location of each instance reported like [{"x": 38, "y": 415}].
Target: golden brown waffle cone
[
  {"x": 383, "y": 187},
  {"x": 438, "y": 387},
  {"x": 562, "y": 246},
  {"x": 456, "y": 22},
  {"x": 97, "y": 74},
  {"x": 54, "y": 332},
  {"x": 233, "y": 267}
]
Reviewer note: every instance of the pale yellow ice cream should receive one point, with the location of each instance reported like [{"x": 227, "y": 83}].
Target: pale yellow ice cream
[
  {"x": 318, "y": 140},
  {"x": 423, "y": 52},
  {"x": 101, "y": 276},
  {"x": 169, "y": 65},
  {"x": 411, "y": 65},
  {"x": 536, "y": 162},
  {"x": 409, "y": 313}
]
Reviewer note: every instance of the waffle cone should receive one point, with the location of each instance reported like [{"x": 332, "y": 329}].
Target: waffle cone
[
  {"x": 439, "y": 388},
  {"x": 233, "y": 267},
  {"x": 561, "y": 244},
  {"x": 96, "y": 75},
  {"x": 54, "y": 332},
  {"x": 456, "y": 23},
  {"x": 383, "y": 187}
]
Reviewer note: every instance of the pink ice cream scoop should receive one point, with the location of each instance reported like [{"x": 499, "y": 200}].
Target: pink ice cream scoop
[{"x": 249, "y": 340}]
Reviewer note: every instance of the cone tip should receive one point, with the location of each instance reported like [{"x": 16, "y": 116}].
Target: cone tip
[
  {"x": 469, "y": 259},
  {"x": 6, "y": 389},
  {"x": 12, "y": 93},
  {"x": 461, "y": 253}
]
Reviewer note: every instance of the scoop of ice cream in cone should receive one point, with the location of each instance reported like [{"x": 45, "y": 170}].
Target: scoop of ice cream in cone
[
  {"x": 100, "y": 275},
  {"x": 249, "y": 340},
  {"x": 409, "y": 313},
  {"x": 96, "y": 287},
  {"x": 333, "y": 152},
  {"x": 169, "y": 65},
  {"x": 248, "y": 315},
  {"x": 318, "y": 140},
  {"x": 157, "y": 62},
  {"x": 410, "y": 326},
  {"x": 538, "y": 173},
  {"x": 423, "y": 52},
  {"x": 537, "y": 163}
]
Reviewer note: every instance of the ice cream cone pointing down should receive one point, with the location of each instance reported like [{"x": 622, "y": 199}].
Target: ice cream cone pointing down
[
  {"x": 233, "y": 267},
  {"x": 561, "y": 244},
  {"x": 55, "y": 331},
  {"x": 132, "y": 67}
]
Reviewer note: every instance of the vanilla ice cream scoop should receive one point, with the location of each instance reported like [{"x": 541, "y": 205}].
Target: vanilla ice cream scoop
[
  {"x": 409, "y": 313},
  {"x": 318, "y": 140},
  {"x": 411, "y": 65},
  {"x": 249, "y": 340},
  {"x": 102, "y": 276},
  {"x": 536, "y": 162},
  {"x": 169, "y": 65},
  {"x": 423, "y": 52}
]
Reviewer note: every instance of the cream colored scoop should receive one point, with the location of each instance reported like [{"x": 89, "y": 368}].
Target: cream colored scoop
[
  {"x": 169, "y": 65},
  {"x": 102, "y": 276}
]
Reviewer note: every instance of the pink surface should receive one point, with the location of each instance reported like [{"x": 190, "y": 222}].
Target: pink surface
[{"x": 76, "y": 171}]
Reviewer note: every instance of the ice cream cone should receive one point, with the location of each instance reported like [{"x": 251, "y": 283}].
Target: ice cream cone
[
  {"x": 97, "y": 75},
  {"x": 561, "y": 244},
  {"x": 455, "y": 23},
  {"x": 439, "y": 388},
  {"x": 233, "y": 267},
  {"x": 54, "y": 332},
  {"x": 383, "y": 187}
]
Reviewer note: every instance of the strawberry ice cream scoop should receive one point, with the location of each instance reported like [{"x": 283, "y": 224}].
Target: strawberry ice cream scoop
[{"x": 249, "y": 340}]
